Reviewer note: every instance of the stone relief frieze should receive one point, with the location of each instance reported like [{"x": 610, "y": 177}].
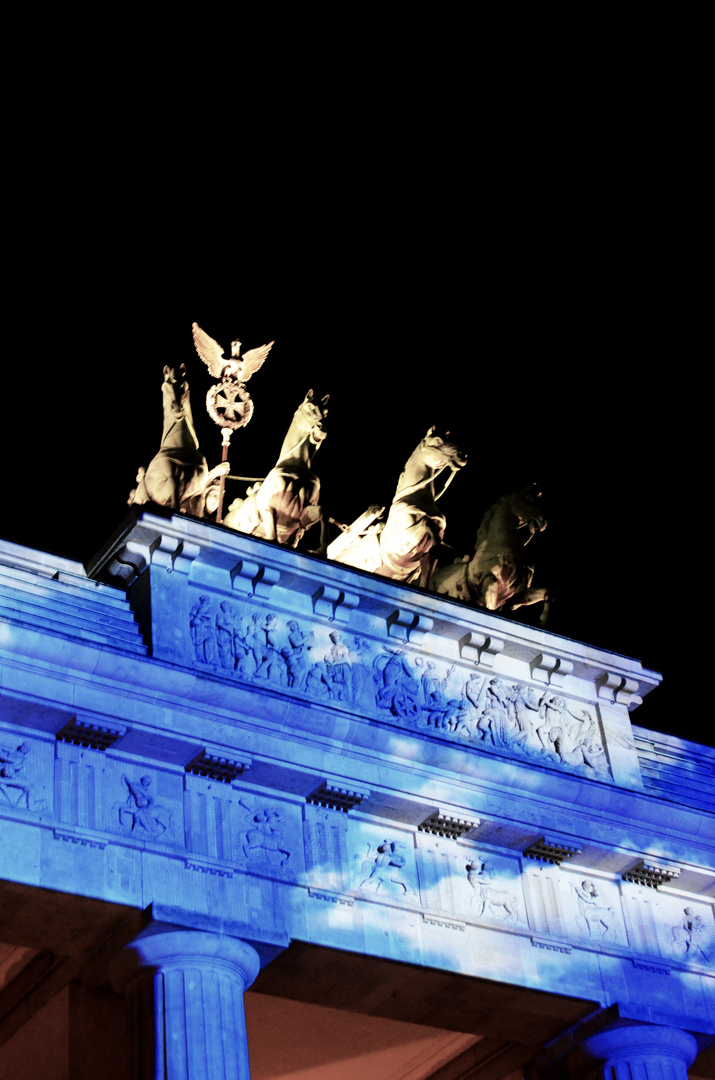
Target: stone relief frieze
[
  {"x": 261, "y": 839},
  {"x": 383, "y": 871},
  {"x": 15, "y": 787},
  {"x": 391, "y": 683},
  {"x": 692, "y": 938},
  {"x": 492, "y": 897},
  {"x": 596, "y": 919},
  {"x": 140, "y": 813}
]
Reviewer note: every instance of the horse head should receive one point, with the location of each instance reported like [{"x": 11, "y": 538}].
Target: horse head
[
  {"x": 175, "y": 389},
  {"x": 527, "y": 506},
  {"x": 310, "y": 416},
  {"x": 438, "y": 453}
]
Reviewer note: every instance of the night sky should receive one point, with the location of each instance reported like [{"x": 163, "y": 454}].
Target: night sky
[{"x": 551, "y": 353}]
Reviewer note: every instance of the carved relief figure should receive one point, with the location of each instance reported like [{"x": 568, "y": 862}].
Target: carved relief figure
[
  {"x": 361, "y": 684},
  {"x": 178, "y": 476},
  {"x": 691, "y": 938},
  {"x": 570, "y": 736},
  {"x": 272, "y": 664},
  {"x": 498, "y": 576},
  {"x": 383, "y": 873},
  {"x": 406, "y": 548},
  {"x": 508, "y": 717},
  {"x": 202, "y": 630},
  {"x": 489, "y": 896},
  {"x": 225, "y": 629},
  {"x": 12, "y": 765},
  {"x": 141, "y": 811},
  {"x": 593, "y": 916},
  {"x": 287, "y": 502},
  {"x": 337, "y": 662},
  {"x": 397, "y": 688},
  {"x": 261, "y": 838},
  {"x": 297, "y": 656},
  {"x": 435, "y": 705}
]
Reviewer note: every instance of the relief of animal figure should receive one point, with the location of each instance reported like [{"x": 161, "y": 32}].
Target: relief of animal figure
[
  {"x": 498, "y": 576},
  {"x": 496, "y": 901},
  {"x": 593, "y": 915},
  {"x": 288, "y": 501},
  {"x": 178, "y": 476},
  {"x": 261, "y": 837},
  {"x": 405, "y": 549}
]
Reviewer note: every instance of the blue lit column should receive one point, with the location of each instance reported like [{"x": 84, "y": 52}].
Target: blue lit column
[
  {"x": 184, "y": 991},
  {"x": 646, "y": 1051}
]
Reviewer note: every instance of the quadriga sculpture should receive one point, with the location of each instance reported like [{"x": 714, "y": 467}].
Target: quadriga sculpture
[
  {"x": 498, "y": 576},
  {"x": 405, "y": 549},
  {"x": 178, "y": 476},
  {"x": 287, "y": 502}
]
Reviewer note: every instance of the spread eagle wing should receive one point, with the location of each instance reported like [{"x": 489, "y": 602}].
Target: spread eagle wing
[
  {"x": 210, "y": 351},
  {"x": 253, "y": 360}
]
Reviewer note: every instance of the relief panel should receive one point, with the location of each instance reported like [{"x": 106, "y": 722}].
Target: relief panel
[
  {"x": 396, "y": 685},
  {"x": 382, "y": 863},
  {"x": 592, "y": 906},
  {"x": 25, "y": 774},
  {"x": 268, "y": 838}
]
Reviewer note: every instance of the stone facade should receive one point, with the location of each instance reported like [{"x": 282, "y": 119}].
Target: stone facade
[{"x": 209, "y": 735}]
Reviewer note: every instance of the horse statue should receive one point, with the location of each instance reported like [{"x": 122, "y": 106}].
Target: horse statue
[
  {"x": 286, "y": 503},
  {"x": 498, "y": 576},
  {"x": 178, "y": 476},
  {"x": 404, "y": 549}
]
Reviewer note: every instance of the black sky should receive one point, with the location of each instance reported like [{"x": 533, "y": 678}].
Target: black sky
[{"x": 551, "y": 351}]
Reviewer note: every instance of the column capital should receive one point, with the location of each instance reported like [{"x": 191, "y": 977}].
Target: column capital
[
  {"x": 652, "y": 1046},
  {"x": 161, "y": 950}
]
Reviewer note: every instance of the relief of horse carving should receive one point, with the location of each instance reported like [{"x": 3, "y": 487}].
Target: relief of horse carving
[
  {"x": 405, "y": 548},
  {"x": 498, "y": 576},
  {"x": 287, "y": 502},
  {"x": 178, "y": 476},
  {"x": 492, "y": 899}
]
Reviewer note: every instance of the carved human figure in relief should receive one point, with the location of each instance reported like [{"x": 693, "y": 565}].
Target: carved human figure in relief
[
  {"x": 141, "y": 811},
  {"x": 593, "y": 915},
  {"x": 201, "y": 624},
  {"x": 498, "y": 576},
  {"x": 435, "y": 703},
  {"x": 397, "y": 689},
  {"x": 296, "y": 655},
  {"x": 272, "y": 664},
  {"x": 337, "y": 662},
  {"x": 261, "y": 840},
  {"x": 570, "y": 736},
  {"x": 691, "y": 937},
  {"x": 383, "y": 873},
  {"x": 225, "y": 627},
  {"x": 12, "y": 765},
  {"x": 406, "y": 548},
  {"x": 490, "y": 897},
  {"x": 178, "y": 476}
]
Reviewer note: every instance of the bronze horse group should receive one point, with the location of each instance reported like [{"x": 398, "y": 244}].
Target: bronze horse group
[{"x": 404, "y": 547}]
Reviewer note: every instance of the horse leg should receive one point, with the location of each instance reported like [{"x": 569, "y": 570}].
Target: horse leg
[
  {"x": 490, "y": 592},
  {"x": 427, "y": 569},
  {"x": 269, "y": 523},
  {"x": 528, "y": 597},
  {"x": 322, "y": 549}
]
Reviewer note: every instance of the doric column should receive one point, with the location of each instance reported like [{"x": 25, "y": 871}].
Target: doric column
[
  {"x": 185, "y": 1001},
  {"x": 645, "y": 1051}
]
